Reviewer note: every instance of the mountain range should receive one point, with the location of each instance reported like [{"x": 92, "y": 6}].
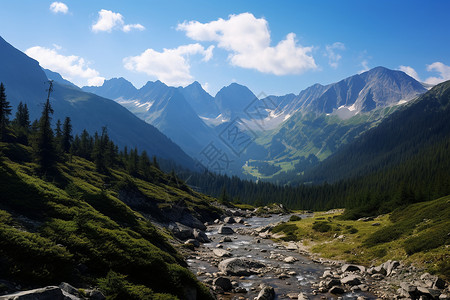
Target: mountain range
[
  {"x": 287, "y": 133},
  {"x": 25, "y": 81}
]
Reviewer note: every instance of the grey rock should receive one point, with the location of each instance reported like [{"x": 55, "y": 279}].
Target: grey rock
[
  {"x": 229, "y": 220},
  {"x": 239, "y": 220},
  {"x": 429, "y": 293},
  {"x": 201, "y": 236},
  {"x": 331, "y": 282},
  {"x": 353, "y": 268},
  {"x": 390, "y": 266},
  {"x": 46, "y": 293},
  {"x": 224, "y": 283},
  {"x": 68, "y": 288},
  {"x": 240, "y": 266},
  {"x": 336, "y": 290},
  {"x": 290, "y": 260},
  {"x": 225, "y": 230},
  {"x": 221, "y": 253},
  {"x": 267, "y": 293},
  {"x": 182, "y": 232},
  {"x": 351, "y": 280}
]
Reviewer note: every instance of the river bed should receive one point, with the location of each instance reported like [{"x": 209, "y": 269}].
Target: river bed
[{"x": 297, "y": 277}]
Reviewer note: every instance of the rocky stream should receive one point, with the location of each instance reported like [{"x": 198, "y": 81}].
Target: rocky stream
[{"x": 238, "y": 260}]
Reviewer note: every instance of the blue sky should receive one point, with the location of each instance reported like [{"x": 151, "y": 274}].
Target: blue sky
[{"x": 273, "y": 48}]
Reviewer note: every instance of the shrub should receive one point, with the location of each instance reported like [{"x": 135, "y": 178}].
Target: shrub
[
  {"x": 384, "y": 235},
  {"x": 427, "y": 240},
  {"x": 321, "y": 226},
  {"x": 294, "y": 218}
]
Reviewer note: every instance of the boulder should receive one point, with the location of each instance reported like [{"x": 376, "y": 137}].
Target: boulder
[
  {"x": 229, "y": 220},
  {"x": 182, "y": 232},
  {"x": 224, "y": 283},
  {"x": 351, "y": 280},
  {"x": 240, "y": 266},
  {"x": 353, "y": 268},
  {"x": 336, "y": 290},
  {"x": 201, "y": 236},
  {"x": 266, "y": 293},
  {"x": 390, "y": 266},
  {"x": 290, "y": 260},
  {"x": 429, "y": 293},
  {"x": 68, "y": 288},
  {"x": 331, "y": 282},
  {"x": 239, "y": 220},
  {"x": 46, "y": 293},
  {"x": 225, "y": 230},
  {"x": 221, "y": 253}
]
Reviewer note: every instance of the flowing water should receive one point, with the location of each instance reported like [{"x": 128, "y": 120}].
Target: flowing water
[{"x": 306, "y": 271}]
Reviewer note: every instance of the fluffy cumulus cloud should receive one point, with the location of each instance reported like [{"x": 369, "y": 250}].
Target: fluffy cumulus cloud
[
  {"x": 248, "y": 40},
  {"x": 171, "y": 66},
  {"x": 332, "y": 52},
  {"x": 71, "y": 67},
  {"x": 108, "y": 21},
  {"x": 443, "y": 70},
  {"x": 438, "y": 67},
  {"x": 410, "y": 71},
  {"x": 59, "y": 7}
]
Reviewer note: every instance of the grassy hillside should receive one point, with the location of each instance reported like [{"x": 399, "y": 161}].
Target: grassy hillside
[
  {"x": 74, "y": 227},
  {"x": 417, "y": 233}
]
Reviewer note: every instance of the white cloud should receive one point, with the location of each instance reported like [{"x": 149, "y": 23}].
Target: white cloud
[
  {"x": 365, "y": 66},
  {"x": 333, "y": 57},
  {"x": 442, "y": 69},
  {"x": 248, "y": 40},
  {"x": 108, "y": 20},
  {"x": 410, "y": 71},
  {"x": 171, "y": 66},
  {"x": 72, "y": 67},
  {"x": 59, "y": 7},
  {"x": 129, "y": 27}
]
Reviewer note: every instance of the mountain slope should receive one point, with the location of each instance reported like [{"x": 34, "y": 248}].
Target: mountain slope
[
  {"x": 165, "y": 108},
  {"x": 76, "y": 229},
  {"x": 413, "y": 128},
  {"x": 202, "y": 102},
  {"x": 376, "y": 88},
  {"x": 25, "y": 81},
  {"x": 323, "y": 118}
]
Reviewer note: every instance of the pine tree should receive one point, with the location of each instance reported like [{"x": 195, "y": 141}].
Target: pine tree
[
  {"x": 5, "y": 111},
  {"x": 21, "y": 123},
  {"x": 44, "y": 147},
  {"x": 67, "y": 138}
]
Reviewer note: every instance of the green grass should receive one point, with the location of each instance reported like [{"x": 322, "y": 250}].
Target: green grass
[
  {"x": 51, "y": 227},
  {"x": 417, "y": 234}
]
